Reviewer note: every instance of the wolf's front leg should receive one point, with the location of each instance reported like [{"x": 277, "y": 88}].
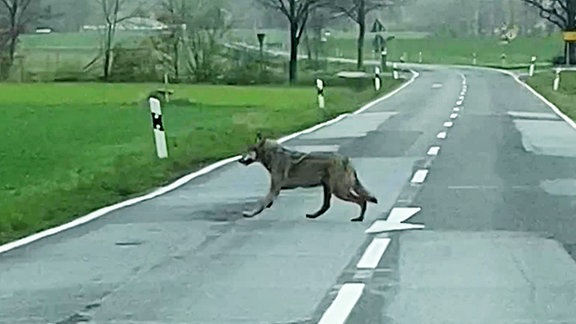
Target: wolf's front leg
[{"x": 267, "y": 201}]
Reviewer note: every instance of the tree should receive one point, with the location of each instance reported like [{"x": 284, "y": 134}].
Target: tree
[
  {"x": 297, "y": 13},
  {"x": 357, "y": 10},
  {"x": 561, "y": 13},
  {"x": 114, "y": 13},
  {"x": 15, "y": 17}
]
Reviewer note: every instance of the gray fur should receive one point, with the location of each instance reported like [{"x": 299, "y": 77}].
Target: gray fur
[{"x": 291, "y": 169}]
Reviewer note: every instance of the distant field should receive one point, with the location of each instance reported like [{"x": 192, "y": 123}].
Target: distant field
[
  {"x": 565, "y": 97},
  {"x": 68, "y": 149}
]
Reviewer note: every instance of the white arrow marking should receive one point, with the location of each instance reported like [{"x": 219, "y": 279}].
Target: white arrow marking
[
  {"x": 386, "y": 226},
  {"x": 448, "y": 124},
  {"x": 373, "y": 253},
  {"x": 419, "y": 176},
  {"x": 434, "y": 150},
  {"x": 400, "y": 214},
  {"x": 441, "y": 135}
]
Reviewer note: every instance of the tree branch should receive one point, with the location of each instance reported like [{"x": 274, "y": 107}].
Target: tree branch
[{"x": 549, "y": 13}]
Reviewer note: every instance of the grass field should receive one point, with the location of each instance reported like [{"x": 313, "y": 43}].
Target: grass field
[
  {"x": 565, "y": 97},
  {"x": 68, "y": 149}
]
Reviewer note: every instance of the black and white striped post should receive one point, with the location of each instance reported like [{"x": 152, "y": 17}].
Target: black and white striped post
[
  {"x": 395, "y": 71},
  {"x": 377, "y": 78},
  {"x": 474, "y": 60},
  {"x": 556, "y": 84},
  {"x": 532, "y": 62},
  {"x": 420, "y": 57},
  {"x": 320, "y": 88},
  {"x": 158, "y": 128}
]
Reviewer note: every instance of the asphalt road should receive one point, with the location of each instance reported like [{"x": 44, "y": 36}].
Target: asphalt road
[{"x": 496, "y": 199}]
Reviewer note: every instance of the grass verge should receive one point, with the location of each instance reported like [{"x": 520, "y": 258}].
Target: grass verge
[
  {"x": 68, "y": 149},
  {"x": 565, "y": 97}
]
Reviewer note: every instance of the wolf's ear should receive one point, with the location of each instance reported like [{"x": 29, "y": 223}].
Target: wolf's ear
[{"x": 258, "y": 137}]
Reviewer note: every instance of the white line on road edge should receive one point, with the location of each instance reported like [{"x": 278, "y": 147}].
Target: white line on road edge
[
  {"x": 182, "y": 181},
  {"x": 419, "y": 176},
  {"x": 434, "y": 150},
  {"x": 373, "y": 253},
  {"x": 453, "y": 116},
  {"x": 448, "y": 124},
  {"x": 441, "y": 135},
  {"x": 342, "y": 306},
  {"x": 401, "y": 214}
]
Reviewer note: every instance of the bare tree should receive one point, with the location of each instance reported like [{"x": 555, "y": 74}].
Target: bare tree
[
  {"x": 297, "y": 13},
  {"x": 561, "y": 13},
  {"x": 114, "y": 12},
  {"x": 357, "y": 11},
  {"x": 15, "y": 17}
]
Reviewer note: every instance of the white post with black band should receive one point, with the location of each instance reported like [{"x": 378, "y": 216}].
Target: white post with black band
[
  {"x": 320, "y": 88},
  {"x": 158, "y": 128},
  {"x": 377, "y": 79}
]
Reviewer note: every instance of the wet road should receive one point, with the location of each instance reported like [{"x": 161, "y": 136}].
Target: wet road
[{"x": 496, "y": 197}]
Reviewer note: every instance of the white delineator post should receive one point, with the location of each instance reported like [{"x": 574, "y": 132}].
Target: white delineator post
[
  {"x": 419, "y": 57},
  {"x": 474, "y": 61},
  {"x": 395, "y": 71},
  {"x": 532, "y": 62},
  {"x": 166, "y": 95},
  {"x": 158, "y": 128},
  {"x": 556, "y": 80},
  {"x": 320, "y": 88},
  {"x": 377, "y": 81}
]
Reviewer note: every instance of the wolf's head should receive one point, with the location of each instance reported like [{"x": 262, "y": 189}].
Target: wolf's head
[{"x": 256, "y": 151}]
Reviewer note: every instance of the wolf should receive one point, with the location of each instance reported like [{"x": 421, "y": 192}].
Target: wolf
[{"x": 291, "y": 169}]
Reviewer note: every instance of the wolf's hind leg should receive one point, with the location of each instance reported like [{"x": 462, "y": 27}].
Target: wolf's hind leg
[
  {"x": 325, "y": 203},
  {"x": 348, "y": 196}
]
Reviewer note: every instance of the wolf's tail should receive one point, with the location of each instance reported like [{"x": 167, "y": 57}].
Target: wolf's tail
[{"x": 359, "y": 188}]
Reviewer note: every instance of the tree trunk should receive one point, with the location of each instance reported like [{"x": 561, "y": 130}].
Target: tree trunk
[
  {"x": 361, "y": 35},
  {"x": 570, "y": 53},
  {"x": 293, "y": 65}
]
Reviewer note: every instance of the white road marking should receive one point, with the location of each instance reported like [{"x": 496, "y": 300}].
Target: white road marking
[
  {"x": 373, "y": 253},
  {"x": 401, "y": 214},
  {"x": 453, "y": 116},
  {"x": 448, "y": 124},
  {"x": 456, "y": 109},
  {"x": 380, "y": 226},
  {"x": 461, "y": 97},
  {"x": 434, "y": 150},
  {"x": 441, "y": 135},
  {"x": 419, "y": 176},
  {"x": 342, "y": 305},
  {"x": 459, "y": 103},
  {"x": 437, "y": 85}
]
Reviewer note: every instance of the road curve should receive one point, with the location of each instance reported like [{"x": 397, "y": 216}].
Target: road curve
[{"x": 485, "y": 164}]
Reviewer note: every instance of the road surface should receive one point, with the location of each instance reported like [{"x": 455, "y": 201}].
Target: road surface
[{"x": 496, "y": 197}]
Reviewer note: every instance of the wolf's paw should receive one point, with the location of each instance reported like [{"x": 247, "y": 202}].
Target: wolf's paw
[
  {"x": 357, "y": 219},
  {"x": 311, "y": 216}
]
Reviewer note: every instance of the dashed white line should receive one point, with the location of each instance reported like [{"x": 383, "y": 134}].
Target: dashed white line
[
  {"x": 401, "y": 214},
  {"x": 373, "y": 253},
  {"x": 459, "y": 102},
  {"x": 461, "y": 97},
  {"x": 419, "y": 176},
  {"x": 342, "y": 305},
  {"x": 448, "y": 124},
  {"x": 456, "y": 109},
  {"x": 453, "y": 116},
  {"x": 441, "y": 135},
  {"x": 434, "y": 150}
]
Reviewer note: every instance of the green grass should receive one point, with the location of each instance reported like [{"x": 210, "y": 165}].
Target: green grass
[
  {"x": 565, "y": 97},
  {"x": 68, "y": 149}
]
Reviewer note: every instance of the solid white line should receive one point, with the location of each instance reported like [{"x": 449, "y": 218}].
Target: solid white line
[
  {"x": 453, "y": 116},
  {"x": 419, "y": 176},
  {"x": 377, "y": 101},
  {"x": 448, "y": 124},
  {"x": 441, "y": 135},
  {"x": 180, "y": 182},
  {"x": 342, "y": 305},
  {"x": 434, "y": 150},
  {"x": 373, "y": 253}
]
